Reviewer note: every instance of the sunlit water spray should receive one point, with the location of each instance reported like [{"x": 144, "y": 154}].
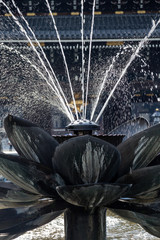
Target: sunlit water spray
[
  {"x": 133, "y": 56},
  {"x": 57, "y": 88},
  {"x": 64, "y": 58},
  {"x": 35, "y": 67},
  {"x": 89, "y": 57},
  {"x": 82, "y": 38},
  {"x": 68, "y": 113},
  {"x": 57, "y": 82},
  {"x": 27, "y": 60},
  {"x": 103, "y": 84}
]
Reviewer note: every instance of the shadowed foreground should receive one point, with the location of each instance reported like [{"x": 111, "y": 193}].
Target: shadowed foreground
[{"x": 82, "y": 177}]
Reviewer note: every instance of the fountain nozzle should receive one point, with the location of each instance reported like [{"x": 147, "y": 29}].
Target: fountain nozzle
[{"x": 82, "y": 127}]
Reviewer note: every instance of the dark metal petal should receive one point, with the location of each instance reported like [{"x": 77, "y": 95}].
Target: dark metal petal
[
  {"x": 150, "y": 209},
  {"x": 28, "y": 175},
  {"x": 6, "y": 205},
  {"x": 150, "y": 223},
  {"x": 29, "y": 140},
  {"x": 14, "y": 222},
  {"x": 15, "y": 194},
  {"x": 145, "y": 185},
  {"x": 145, "y": 220},
  {"x": 139, "y": 150},
  {"x": 20, "y": 229},
  {"x": 86, "y": 159},
  {"x": 12, "y": 196},
  {"x": 148, "y": 216},
  {"x": 91, "y": 196},
  {"x": 131, "y": 127}
]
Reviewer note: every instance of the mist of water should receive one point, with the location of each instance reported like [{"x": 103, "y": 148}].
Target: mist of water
[
  {"x": 26, "y": 59},
  {"x": 64, "y": 58},
  {"x": 63, "y": 102},
  {"x": 52, "y": 80},
  {"x": 133, "y": 56},
  {"x": 36, "y": 68},
  {"x": 57, "y": 82},
  {"x": 103, "y": 84}
]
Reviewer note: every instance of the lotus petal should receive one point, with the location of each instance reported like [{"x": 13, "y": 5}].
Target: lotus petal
[
  {"x": 12, "y": 196},
  {"x": 139, "y": 150},
  {"x": 15, "y": 222},
  {"x": 20, "y": 229},
  {"x": 134, "y": 217},
  {"x": 87, "y": 160},
  {"x": 91, "y": 196},
  {"x": 145, "y": 184},
  {"x": 150, "y": 209},
  {"x": 131, "y": 127},
  {"x": 6, "y": 205},
  {"x": 28, "y": 175},
  {"x": 29, "y": 140},
  {"x": 12, "y": 193},
  {"x": 147, "y": 216}
]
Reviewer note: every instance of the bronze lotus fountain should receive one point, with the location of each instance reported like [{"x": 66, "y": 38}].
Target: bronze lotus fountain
[{"x": 82, "y": 178}]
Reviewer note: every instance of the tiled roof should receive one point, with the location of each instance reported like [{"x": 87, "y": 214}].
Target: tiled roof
[{"x": 105, "y": 27}]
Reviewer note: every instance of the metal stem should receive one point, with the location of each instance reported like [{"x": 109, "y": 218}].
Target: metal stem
[{"x": 85, "y": 224}]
